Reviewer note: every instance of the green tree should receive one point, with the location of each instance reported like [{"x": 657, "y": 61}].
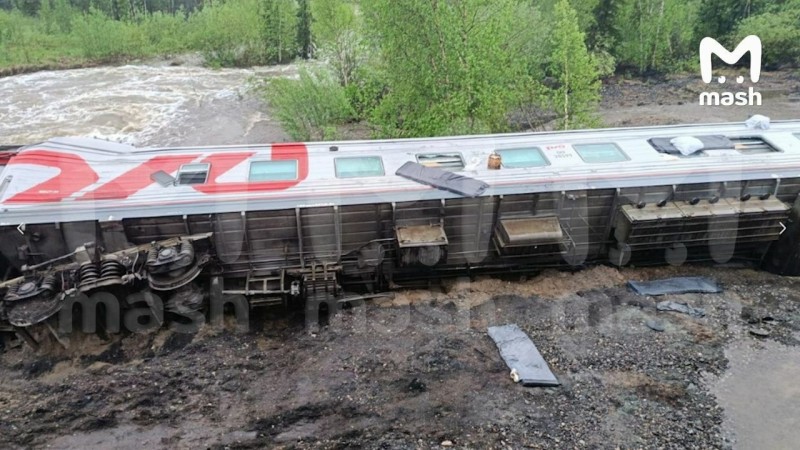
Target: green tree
[
  {"x": 304, "y": 19},
  {"x": 62, "y": 15},
  {"x": 338, "y": 37},
  {"x": 451, "y": 66},
  {"x": 46, "y": 16},
  {"x": 655, "y": 34},
  {"x": 718, "y": 18},
  {"x": 778, "y": 27},
  {"x": 578, "y": 93},
  {"x": 279, "y": 33}
]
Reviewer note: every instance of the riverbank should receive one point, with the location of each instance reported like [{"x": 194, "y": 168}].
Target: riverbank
[{"x": 184, "y": 59}]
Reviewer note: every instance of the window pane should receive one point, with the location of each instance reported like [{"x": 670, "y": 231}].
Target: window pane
[
  {"x": 199, "y": 167},
  {"x": 600, "y": 153},
  {"x": 445, "y": 161},
  {"x": 193, "y": 173},
  {"x": 273, "y": 170},
  {"x": 192, "y": 178},
  {"x": 751, "y": 145},
  {"x": 522, "y": 157},
  {"x": 367, "y": 166}
]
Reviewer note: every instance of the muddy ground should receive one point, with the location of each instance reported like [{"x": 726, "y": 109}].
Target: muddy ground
[{"x": 419, "y": 371}]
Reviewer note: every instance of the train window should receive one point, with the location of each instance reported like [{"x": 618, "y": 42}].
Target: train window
[
  {"x": 193, "y": 173},
  {"x": 514, "y": 158},
  {"x": 752, "y": 145},
  {"x": 284, "y": 170},
  {"x": 446, "y": 161},
  {"x": 359, "y": 166},
  {"x": 600, "y": 153}
]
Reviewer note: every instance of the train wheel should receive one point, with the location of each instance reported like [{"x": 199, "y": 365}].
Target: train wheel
[
  {"x": 676, "y": 255},
  {"x": 620, "y": 255}
]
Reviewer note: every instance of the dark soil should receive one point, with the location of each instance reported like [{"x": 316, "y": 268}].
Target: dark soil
[{"x": 407, "y": 376}]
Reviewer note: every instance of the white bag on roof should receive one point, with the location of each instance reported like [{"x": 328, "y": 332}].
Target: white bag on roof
[
  {"x": 687, "y": 144},
  {"x": 757, "y": 122}
]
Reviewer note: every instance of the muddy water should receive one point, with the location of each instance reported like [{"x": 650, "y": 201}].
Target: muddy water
[
  {"x": 760, "y": 395},
  {"x": 145, "y": 105}
]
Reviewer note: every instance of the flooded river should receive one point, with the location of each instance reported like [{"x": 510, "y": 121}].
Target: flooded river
[{"x": 145, "y": 105}]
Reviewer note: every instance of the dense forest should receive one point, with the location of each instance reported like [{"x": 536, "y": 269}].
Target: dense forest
[{"x": 407, "y": 67}]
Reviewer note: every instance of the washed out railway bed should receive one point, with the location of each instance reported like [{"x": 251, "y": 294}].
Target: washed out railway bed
[{"x": 419, "y": 370}]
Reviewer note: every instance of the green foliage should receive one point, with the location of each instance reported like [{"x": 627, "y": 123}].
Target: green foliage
[
  {"x": 279, "y": 25},
  {"x": 584, "y": 10},
  {"x": 779, "y": 30},
  {"x": 576, "y": 98},
  {"x": 101, "y": 38},
  {"x": 654, "y": 35},
  {"x": 229, "y": 34},
  {"x": 62, "y": 15},
  {"x": 304, "y": 19},
  {"x": 717, "y": 18},
  {"x": 338, "y": 38},
  {"x": 367, "y": 91},
  {"x": 452, "y": 67},
  {"x": 310, "y": 107}
]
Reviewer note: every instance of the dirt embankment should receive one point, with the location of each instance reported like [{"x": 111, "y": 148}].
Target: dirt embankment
[
  {"x": 675, "y": 99},
  {"x": 414, "y": 374}
]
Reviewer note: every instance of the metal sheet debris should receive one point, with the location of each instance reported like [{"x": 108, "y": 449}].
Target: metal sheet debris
[
  {"x": 522, "y": 356},
  {"x": 681, "y": 308},
  {"x": 678, "y": 285},
  {"x": 442, "y": 179}
]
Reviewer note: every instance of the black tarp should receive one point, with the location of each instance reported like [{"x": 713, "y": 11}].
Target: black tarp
[
  {"x": 442, "y": 179},
  {"x": 710, "y": 142}
]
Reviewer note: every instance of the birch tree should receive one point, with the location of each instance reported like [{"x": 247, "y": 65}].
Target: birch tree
[{"x": 578, "y": 93}]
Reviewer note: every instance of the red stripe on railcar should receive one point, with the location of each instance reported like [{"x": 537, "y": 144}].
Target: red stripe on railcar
[
  {"x": 137, "y": 178},
  {"x": 75, "y": 174}
]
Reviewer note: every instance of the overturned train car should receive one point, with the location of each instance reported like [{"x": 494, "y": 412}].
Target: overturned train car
[{"x": 293, "y": 223}]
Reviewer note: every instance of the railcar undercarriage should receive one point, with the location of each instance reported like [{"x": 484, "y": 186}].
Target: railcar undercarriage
[{"x": 327, "y": 256}]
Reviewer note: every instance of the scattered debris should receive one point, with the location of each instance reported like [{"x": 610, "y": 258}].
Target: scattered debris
[
  {"x": 655, "y": 325},
  {"x": 753, "y": 315},
  {"x": 678, "y": 285},
  {"x": 522, "y": 356},
  {"x": 417, "y": 385},
  {"x": 759, "y": 332},
  {"x": 681, "y": 308},
  {"x": 447, "y": 443}
]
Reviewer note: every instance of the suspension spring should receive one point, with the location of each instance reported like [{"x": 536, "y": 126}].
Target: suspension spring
[
  {"x": 88, "y": 273},
  {"x": 111, "y": 268}
]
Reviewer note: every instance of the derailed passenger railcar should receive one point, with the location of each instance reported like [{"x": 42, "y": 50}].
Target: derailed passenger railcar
[{"x": 296, "y": 222}]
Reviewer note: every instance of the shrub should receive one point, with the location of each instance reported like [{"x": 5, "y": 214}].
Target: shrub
[
  {"x": 310, "y": 107},
  {"x": 779, "y": 30},
  {"x": 229, "y": 34},
  {"x": 101, "y": 37}
]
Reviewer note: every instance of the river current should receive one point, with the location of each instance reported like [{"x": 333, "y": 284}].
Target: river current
[{"x": 144, "y": 105}]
